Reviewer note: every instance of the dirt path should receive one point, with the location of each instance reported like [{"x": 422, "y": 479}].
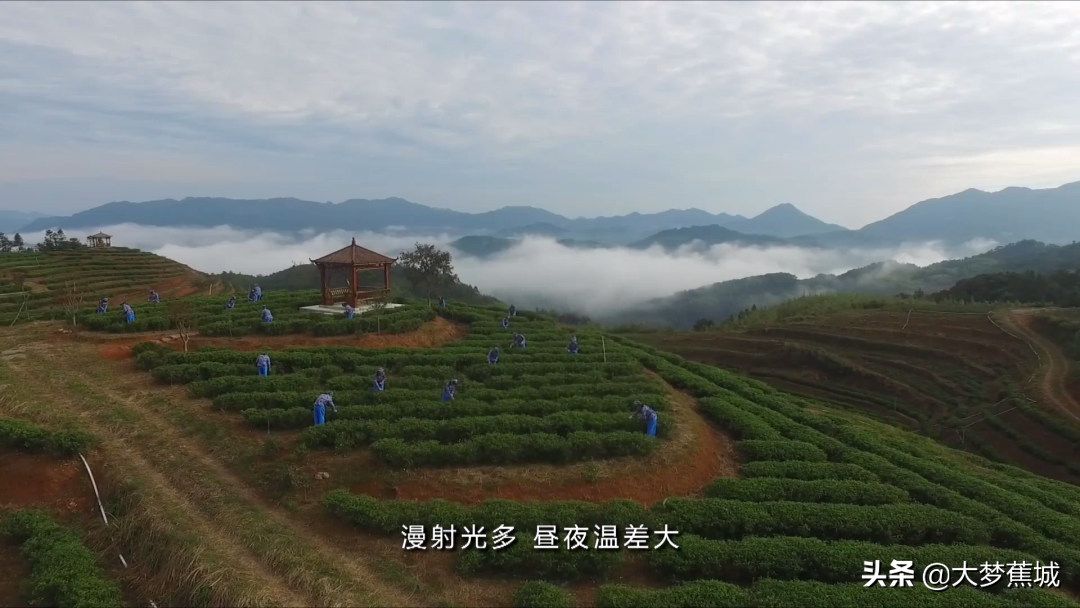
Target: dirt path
[
  {"x": 695, "y": 454},
  {"x": 292, "y": 566},
  {"x": 120, "y": 390},
  {"x": 1055, "y": 366},
  {"x": 433, "y": 333}
]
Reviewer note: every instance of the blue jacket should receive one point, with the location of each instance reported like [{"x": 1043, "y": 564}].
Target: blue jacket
[
  {"x": 266, "y": 316},
  {"x": 448, "y": 392},
  {"x": 324, "y": 400},
  {"x": 262, "y": 361},
  {"x": 646, "y": 413}
]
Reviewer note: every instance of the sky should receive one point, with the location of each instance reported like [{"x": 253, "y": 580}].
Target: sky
[{"x": 850, "y": 111}]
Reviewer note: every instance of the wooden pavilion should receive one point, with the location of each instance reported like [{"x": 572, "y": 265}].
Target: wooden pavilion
[
  {"x": 99, "y": 240},
  {"x": 352, "y": 259}
]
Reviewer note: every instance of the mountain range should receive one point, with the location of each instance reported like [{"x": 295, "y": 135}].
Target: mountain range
[
  {"x": 13, "y": 221},
  {"x": 1051, "y": 215},
  {"x": 720, "y": 300},
  {"x": 291, "y": 215}
]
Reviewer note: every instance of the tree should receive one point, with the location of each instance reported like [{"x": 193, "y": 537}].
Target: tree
[
  {"x": 72, "y": 300},
  {"x": 183, "y": 319},
  {"x": 5, "y": 243},
  {"x": 703, "y": 324},
  {"x": 378, "y": 305},
  {"x": 17, "y": 242},
  {"x": 57, "y": 241},
  {"x": 427, "y": 267}
]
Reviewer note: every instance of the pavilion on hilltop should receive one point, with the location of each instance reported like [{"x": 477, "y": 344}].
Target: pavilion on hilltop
[
  {"x": 99, "y": 240},
  {"x": 352, "y": 259}
]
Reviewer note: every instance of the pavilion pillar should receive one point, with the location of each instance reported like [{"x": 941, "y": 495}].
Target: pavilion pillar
[
  {"x": 386, "y": 278},
  {"x": 354, "y": 301},
  {"x": 327, "y": 299}
]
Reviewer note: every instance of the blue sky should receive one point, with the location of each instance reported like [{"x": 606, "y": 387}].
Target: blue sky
[{"x": 850, "y": 111}]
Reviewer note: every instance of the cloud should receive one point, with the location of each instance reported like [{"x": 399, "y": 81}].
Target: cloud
[
  {"x": 592, "y": 107},
  {"x": 538, "y": 272}
]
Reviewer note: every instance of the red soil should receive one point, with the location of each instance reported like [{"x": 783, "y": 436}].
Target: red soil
[
  {"x": 431, "y": 334},
  {"x": 61, "y": 486},
  {"x": 13, "y": 571}
]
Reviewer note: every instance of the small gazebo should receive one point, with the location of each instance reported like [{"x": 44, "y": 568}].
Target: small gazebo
[
  {"x": 100, "y": 240},
  {"x": 352, "y": 259}
]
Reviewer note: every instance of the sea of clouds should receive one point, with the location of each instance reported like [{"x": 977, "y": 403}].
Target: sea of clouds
[{"x": 538, "y": 271}]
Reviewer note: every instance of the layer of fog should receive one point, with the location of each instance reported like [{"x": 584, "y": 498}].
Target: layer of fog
[{"x": 536, "y": 272}]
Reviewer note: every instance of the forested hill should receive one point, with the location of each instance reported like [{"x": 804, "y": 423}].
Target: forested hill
[
  {"x": 721, "y": 300},
  {"x": 1060, "y": 288},
  {"x": 306, "y": 276}
]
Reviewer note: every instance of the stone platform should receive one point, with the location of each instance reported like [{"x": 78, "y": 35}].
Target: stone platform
[{"x": 338, "y": 309}]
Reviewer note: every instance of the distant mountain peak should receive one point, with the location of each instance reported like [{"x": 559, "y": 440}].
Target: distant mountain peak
[{"x": 785, "y": 220}]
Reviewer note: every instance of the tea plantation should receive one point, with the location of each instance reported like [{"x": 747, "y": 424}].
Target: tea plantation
[
  {"x": 821, "y": 491},
  {"x": 97, "y": 273},
  {"x": 538, "y": 404},
  {"x": 212, "y": 318}
]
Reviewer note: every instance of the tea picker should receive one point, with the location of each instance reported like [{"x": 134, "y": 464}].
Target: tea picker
[
  {"x": 262, "y": 363},
  {"x": 647, "y": 414},
  {"x": 449, "y": 390},
  {"x": 320, "y": 404}
]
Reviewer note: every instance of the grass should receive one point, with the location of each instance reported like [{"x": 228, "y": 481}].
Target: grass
[{"x": 146, "y": 439}]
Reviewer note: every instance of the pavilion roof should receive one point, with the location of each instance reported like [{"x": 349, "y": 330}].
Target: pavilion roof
[
  {"x": 101, "y": 235},
  {"x": 354, "y": 255}
]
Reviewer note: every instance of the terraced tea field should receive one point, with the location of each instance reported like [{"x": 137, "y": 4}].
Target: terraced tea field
[
  {"x": 213, "y": 319},
  {"x": 538, "y": 404},
  {"x": 968, "y": 380},
  {"x": 777, "y": 499},
  {"x": 117, "y": 273}
]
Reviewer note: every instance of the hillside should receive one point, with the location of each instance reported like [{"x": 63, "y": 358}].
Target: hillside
[
  {"x": 117, "y": 273},
  {"x": 705, "y": 236},
  {"x": 1060, "y": 288},
  {"x": 778, "y": 499},
  {"x": 720, "y": 300},
  {"x": 927, "y": 367}
]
